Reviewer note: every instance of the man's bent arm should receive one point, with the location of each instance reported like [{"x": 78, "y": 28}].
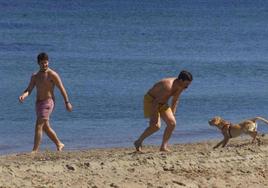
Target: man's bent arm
[
  {"x": 174, "y": 102},
  {"x": 59, "y": 84},
  {"x": 154, "y": 115},
  {"x": 28, "y": 90}
]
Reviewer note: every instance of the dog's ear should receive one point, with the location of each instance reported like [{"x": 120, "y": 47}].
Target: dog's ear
[{"x": 217, "y": 119}]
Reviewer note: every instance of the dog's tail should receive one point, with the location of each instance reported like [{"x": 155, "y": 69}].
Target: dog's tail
[{"x": 260, "y": 118}]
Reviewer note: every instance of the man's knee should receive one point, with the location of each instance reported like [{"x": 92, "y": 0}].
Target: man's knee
[
  {"x": 172, "y": 123},
  {"x": 46, "y": 126},
  {"x": 155, "y": 127}
]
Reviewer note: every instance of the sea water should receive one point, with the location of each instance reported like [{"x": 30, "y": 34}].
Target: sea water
[{"x": 109, "y": 53}]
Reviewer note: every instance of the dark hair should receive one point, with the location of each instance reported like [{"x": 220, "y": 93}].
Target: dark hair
[
  {"x": 42, "y": 56},
  {"x": 185, "y": 75}
]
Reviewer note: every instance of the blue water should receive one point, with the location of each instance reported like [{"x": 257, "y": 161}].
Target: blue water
[{"x": 109, "y": 53}]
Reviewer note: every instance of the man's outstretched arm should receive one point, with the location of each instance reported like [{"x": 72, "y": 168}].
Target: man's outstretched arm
[
  {"x": 28, "y": 90},
  {"x": 59, "y": 84}
]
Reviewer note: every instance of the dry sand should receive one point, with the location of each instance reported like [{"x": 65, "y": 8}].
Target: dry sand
[{"x": 240, "y": 164}]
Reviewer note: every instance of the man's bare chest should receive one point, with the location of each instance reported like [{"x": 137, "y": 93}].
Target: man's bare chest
[{"x": 44, "y": 80}]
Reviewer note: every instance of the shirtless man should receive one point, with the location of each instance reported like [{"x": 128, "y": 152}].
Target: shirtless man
[
  {"x": 44, "y": 81},
  {"x": 156, "y": 106}
]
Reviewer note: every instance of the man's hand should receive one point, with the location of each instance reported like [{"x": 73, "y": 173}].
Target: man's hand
[
  {"x": 21, "y": 98},
  {"x": 68, "y": 106}
]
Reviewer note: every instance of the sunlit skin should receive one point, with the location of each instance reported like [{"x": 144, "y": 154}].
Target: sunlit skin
[
  {"x": 44, "y": 81},
  {"x": 162, "y": 91}
]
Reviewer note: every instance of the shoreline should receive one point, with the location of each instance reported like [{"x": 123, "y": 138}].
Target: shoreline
[
  {"x": 47, "y": 144},
  {"x": 239, "y": 164}
]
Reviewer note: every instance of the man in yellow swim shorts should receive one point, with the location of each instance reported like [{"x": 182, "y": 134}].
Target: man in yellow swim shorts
[{"x": 156, "y": 106}]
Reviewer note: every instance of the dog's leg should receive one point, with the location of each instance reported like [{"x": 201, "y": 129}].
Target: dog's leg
[
  {"x": 225, "y": 141},
  {"x": 218, "y": 144},
  {"x": 254, "y": 136}
]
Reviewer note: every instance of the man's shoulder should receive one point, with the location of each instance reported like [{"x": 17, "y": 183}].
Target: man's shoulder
[
  {"x": 52, "y": 72},
  {"x": 34, "y": 74},
  {"x": 169, "y": 79}
]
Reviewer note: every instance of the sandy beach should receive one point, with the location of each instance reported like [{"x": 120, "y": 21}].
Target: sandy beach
[{"x": 240, "y": 164}]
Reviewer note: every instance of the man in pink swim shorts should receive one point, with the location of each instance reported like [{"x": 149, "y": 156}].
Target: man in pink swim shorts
[
  {"x": 45, "y": 80},
  {"x": 44, "y": 108}
]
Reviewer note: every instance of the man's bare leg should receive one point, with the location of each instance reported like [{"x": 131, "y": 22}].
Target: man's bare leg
[
  {"x": 38, "y": 134},
  {"x": 167, "y": 134},
  {"x": 148, "y": 132},
  {"x": 53, "y": 136},
  {"x": 170, "y": 120}
]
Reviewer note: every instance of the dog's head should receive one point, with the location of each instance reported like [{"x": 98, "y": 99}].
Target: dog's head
[{"x": 216, "y": 121}]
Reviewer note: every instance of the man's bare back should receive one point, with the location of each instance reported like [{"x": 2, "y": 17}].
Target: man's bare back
[{"x": 164, "y": 89}]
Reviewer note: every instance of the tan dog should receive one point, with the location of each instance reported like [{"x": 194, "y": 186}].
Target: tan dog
[{"x": 230, "y": 130}]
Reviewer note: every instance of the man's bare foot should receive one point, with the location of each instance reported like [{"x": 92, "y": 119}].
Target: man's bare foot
[
  {"x": 34, "y": 151},
  {"x": 165, "y": 150},
  {"x": 138, "y": 146},
  {"x": 60, "y": 147}
]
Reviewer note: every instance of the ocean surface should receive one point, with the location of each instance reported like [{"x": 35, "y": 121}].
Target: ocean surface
[{"x": 109, "y": 53}]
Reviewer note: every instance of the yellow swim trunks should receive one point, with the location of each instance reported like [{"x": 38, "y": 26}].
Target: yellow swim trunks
[{"x": 147, "y": 106}]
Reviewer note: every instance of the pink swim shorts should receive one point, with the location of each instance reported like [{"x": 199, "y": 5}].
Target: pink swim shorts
[{"x": 44, "y": 108}]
